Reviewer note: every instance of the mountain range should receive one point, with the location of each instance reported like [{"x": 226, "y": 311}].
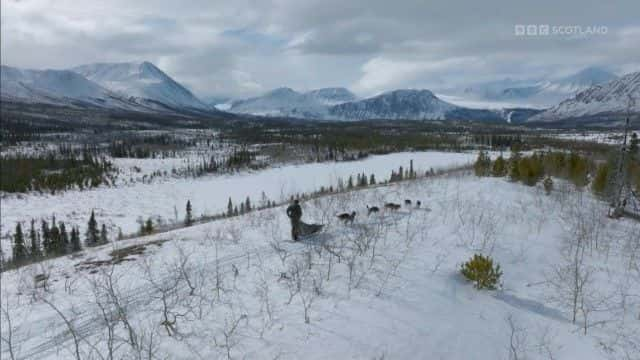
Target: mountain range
[
  {"x": 142, "y": 87},
  {"x": 341, "y": 104},
  {"x": 614, "y": 99},
  {"x": 541, "y": 93},
  {"x": 124, "y": 86}
]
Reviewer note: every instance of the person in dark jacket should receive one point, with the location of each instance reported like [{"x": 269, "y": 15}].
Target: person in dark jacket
[{"x": 294, "y": 212}]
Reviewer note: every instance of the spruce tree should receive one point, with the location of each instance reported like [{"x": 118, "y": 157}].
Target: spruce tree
[
  {"x": 54, "y": 239},
  {"x": 599, "y": 184},
  {"x": 63, "y": 243},
  {"x": 33, "y": 238},
  {"x": 103, "y": 234},
  {"x": 411, "y": 173},
  {"x": 75, "y": 240},
  {"x": 229, "y": 208},
  {"x": 482, "y": 166},
  {"x": 372, "y": 180},
  {"x": 247, "y": 204},
  {"x": 242, "y": 210},
  {"x": 350, "y": 182},
  {"x": 19, "y": 250},
  {"x": 44, "y": 229},
  {"x": 92, "y": 236},
  {"x": 499, "y": 167},
  {"x": 188, "y": 218},
  {"x": 235, "y": 211},
  {"x": 514, "y": 167}
]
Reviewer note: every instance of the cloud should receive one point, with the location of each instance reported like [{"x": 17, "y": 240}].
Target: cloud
[{"x": 244, "y": 47}]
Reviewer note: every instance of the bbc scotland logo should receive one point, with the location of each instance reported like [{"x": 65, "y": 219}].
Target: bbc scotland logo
[{"x": 542, "y": 30}]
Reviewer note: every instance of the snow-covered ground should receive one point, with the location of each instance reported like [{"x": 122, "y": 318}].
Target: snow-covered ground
[
  {"x": 387, "y": 286},
  {"x": 165, "y": 199},
  {"x": 610, "y": 137}
]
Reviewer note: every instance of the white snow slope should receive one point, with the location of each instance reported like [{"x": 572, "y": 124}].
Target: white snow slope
[
  {"x": 61, "y": 87},
  {"x": 609, "y": 98},
  {"x": 121, "y": 206},
  {"x": 539, "y": 93},
  {"x": 288, "y": 102},
  {"x": 140, "y": 80},
  {"x": 387, "y": 286}
]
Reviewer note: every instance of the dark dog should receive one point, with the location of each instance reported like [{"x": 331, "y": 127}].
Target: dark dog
[
  {"x": 418, "y": 204},
  {"x": 392, "y": 206},
  {"x": 347, "y": 218},
  {"x": 372, "y": 210}
]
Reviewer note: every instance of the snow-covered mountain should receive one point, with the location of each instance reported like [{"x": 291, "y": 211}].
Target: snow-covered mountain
[
  {"x": 331, "y": 96},
  {"x": 539, "y": 92},
  {"x": 282, "y": 101},
  {"x": 398, "y": 104},
  {"x": 58, "y": 87},
  {"x": 341, "y": 104},
  {"x": 606, "y": 100},
  {"x": 142, "y": 81},
  {"x": 285, "y": 101}
]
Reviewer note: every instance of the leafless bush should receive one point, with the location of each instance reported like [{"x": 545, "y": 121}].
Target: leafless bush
[
  {"x": 6, "y": 333},
  {"x": 229, "y": 338},
  {"x": 517, "y": 340}
]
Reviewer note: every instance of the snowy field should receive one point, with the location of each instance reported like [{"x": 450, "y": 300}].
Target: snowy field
[
  {"x": 387, "y": 286},
  {"x": 610, "y": 138},
  {"x": 164, "y": 199}
]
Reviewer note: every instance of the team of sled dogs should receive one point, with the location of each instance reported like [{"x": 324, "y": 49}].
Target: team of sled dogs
[{"x": 349, "y": 217}]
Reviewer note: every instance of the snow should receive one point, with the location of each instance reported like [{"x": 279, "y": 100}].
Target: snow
[
  {"x": 143, "y": 80},
  {"x": 409, "y": 300},
  {"x": 608, "y": 137},
  {"x": 121, "y": 206},
  {"x": 397, "y": 104},
  {"x": 531, "y": 93},
  {"x": 612, "y": 97}
]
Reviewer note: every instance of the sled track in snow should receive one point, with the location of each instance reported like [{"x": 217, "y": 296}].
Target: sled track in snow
[{"x": 89, "y": 323}]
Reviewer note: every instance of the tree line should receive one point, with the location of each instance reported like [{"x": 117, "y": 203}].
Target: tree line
[{"x": 579, "y": 169}]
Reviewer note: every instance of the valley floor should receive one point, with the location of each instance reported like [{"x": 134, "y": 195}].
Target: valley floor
[
  {"x": 387, "y": 286},
  {"x": 123, "y": 207}
]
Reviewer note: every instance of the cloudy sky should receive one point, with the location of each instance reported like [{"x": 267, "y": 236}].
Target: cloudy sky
[{"x": 242, "y": 48}]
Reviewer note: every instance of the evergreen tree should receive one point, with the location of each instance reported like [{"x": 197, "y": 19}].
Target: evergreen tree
[
  {"x": 578, "y": 170},
  {"x": 33, "y": 238},
  {"x": 229, "y": 208},
  {"x": 600, "y": 181},
  {"x": 75, "y": 240},
  {"x": 247, "y": 204},
  {"x": 400, "y": 174},
  {"x": 514, "y": 167},
  {"x": 92, "y": 236},
  {"x": 499, "y": 167},
  {"x": 242, "y": 210},
  {"x": 372, "y": 179},
  {"x": 482, "y": 166},
  {"x": 411, "y": 173},
  {"x": 19, "y": 250},
  {"x": 188, "y": 219},
  {"x": 103, "y": 234},
  {"x": 55, "y": 243},
  {"x": 235, "y": 211},
  {"x": 63, "y": 243},
  {"x": 350, "y": 182},
  {"x": 44, "y": 229}
]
